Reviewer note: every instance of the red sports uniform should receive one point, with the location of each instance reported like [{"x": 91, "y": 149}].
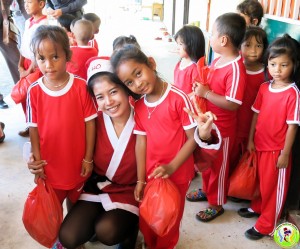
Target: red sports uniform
[
  {"x": 94, "y": 44},
  {"x": 115, "y": 158},
  {"x": 60, "y": 117},
  {"x": 80, "y": 55},
  {"x": 276, "y": 108},
  {"x": 245, "y": 114},
  {"x": 227, "y": 80},
  {"x": 185, "y": 77},
  {"x": 165, "y": 131}
]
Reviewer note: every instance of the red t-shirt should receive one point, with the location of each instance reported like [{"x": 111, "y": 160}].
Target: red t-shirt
[
  {"x": 80, "y": 55},
  {"x": 276, "y": 109},
  {"x": 165, "y": 131},
  {"x": 245, "y": 114},
  {"x": 60, "y": 117},
  {"x": 227, "y": 80},
  {"x": 185, "y": 77},
  {"x": 93, "y": 43}
]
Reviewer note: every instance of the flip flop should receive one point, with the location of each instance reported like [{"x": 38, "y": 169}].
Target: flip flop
[
  {"x": 196, "y": 195},
  {"x": 210, "y": 214}
]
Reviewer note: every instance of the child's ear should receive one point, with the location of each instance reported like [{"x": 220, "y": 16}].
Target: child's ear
[
  {"x": 152, "y": 63},
  {"x": 42, "y": 4},
  {"x": 254, "y": 21}
]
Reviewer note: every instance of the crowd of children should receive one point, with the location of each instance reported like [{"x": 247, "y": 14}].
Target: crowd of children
[{"x": 246, "y": 81}]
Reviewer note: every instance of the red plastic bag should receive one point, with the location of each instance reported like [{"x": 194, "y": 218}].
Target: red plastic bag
[
  {"x": 244, "y": 179},
  {"x": 203, "y": 71},
  {"x": 160, "y": 206},
  {"x": 43, "y": 214},
  {"x": 19, "y": 91}
]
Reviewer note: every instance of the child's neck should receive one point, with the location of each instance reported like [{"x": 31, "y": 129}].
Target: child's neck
[
  {"x": 82, "y": 43},
  {"x": 158, "y": 91},
  {"x": 253, "y": 66},
  {"x": 184, "y": 62},
  {"x": 280, "y": 84},
  {"x": 227, "y": 56},
  {"x": 37, "y": 16}
]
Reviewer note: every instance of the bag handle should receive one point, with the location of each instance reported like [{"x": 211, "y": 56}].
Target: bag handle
[{"x": 251, "y": 159}]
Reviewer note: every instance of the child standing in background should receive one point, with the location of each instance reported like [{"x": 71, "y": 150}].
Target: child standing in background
[
  {"x": 158, "y": 157},
  {"x": 65, "y": 21},
  {"x": 224, "y": 94},
  {"x": 191, "y": 47},
  {"x": 252, "y": 11},
  {"x": 83, "y": 31},
  {"x": 122, "y": 40},
  {"x": 253, "y": 48},
  {"x": 273, "y": 129},
  {"x": 96, "y": 21},
  {"x": 26, "y": 63},
  {"x": 61, "y": 117}
]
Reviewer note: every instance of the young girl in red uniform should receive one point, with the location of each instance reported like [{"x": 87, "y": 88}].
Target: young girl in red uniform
[
  {"x": 61, "y": 116},
  {"x": 191, "y": 47},
  {"x": 273, "y": 129},
  {"x": 165, "y": 132},
  {"x": 253, "y": 48}
]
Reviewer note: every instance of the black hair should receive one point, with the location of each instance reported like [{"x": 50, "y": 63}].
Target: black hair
[
  {"x": 193, "y": 40},
  {"x": 91, "y": 17},
  {"x": 260, "y": 36},
  {"x": 122, "y": 40},
  {"x": 65, "y": 21},
  {"x": 251, "y": 8},
  {"x": 232, "y": 25},
  {"x": 53, "y": 33},
  {"x": 74, "y": 21},
  {"x": 286, "y": 45},
  {"x": 111, "y": 77}
]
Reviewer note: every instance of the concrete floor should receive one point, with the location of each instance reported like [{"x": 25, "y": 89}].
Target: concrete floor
[{"x": 16, "y": 181}]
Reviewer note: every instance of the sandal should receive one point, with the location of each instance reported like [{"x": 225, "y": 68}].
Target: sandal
[
  {"x": 196, "y": 195},
  {"x": 209, "y": 214}
]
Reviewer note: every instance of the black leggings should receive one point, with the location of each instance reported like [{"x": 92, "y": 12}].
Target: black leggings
[{"x": 88, "y": 218}]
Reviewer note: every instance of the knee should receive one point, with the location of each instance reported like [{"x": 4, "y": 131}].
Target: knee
[
  {"x": 67, "y": 239},
  {"x": 107, "y": 234}
]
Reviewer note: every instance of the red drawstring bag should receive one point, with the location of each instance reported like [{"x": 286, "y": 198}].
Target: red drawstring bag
[
  {"x": 19, "y": 91},
  {"x": 244, "y": 182},
  {"x": 43, "y": 214},
  {"x": 160, "y": 206},
  {"x": 202, "y": 73}
]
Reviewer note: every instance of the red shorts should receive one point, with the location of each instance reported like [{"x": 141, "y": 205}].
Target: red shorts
[{"x": 71, "y": 194}]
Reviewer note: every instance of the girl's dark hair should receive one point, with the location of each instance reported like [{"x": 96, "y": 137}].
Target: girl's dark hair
[
  {"x": 232, "y": 25},
  {"x": 251, "y": 8},
  {"x": 111, "y": 77},
  {"x": 122, "y": 40},
  {"x": 126, "y": 53},
  {"x": 260, "y": 36},
  {"x": 286, "y": 45},
  {"x": 91, "y": 17},
  {"x": 65, "y": 21},
  {"x": 53, "y": 33},
  {"x": 193, "y": 40}
]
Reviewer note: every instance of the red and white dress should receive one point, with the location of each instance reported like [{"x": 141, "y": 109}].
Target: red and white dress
[
  {"x": 185, "y": 77},
  {"x": 227, "y": 80},
  {"x": 276, "y": 108},
  {"x": 60, "y": 117},
  {"x": 80, "y": 55},
  {"x": 114, "y": 157}
]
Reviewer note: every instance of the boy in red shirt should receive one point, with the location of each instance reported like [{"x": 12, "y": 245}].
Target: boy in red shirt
[
  {"x": 224, "y": 94},
  {"x": 83, "y": 32}
]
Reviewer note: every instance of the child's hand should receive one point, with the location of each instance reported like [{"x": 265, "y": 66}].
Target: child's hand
[
  {"x": 200, "y": 89},
  {"x": 139, "y": 191},
  {"x": 283, "y": 161},
  {"x": 86, "y": 168},
  {"x": 36, "y": 167},
  {"x": 163, "y": 171},
  {"x": 251, "y": 146}
]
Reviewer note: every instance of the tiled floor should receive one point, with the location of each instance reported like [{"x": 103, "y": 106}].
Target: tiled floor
[{"x": 16, "y": 181}]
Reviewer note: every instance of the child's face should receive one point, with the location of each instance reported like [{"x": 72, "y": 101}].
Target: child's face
[
  {"x": 111, "y": 98},
  {"x": 252, "y": 50},
  {"x": 281, "y": 68},
  {"x": 139, "y": 78},
  {"x": 51, "y": 60},
  {"x": 181, "y": 48},
  {"x": 215, "y": 39},
  {"x": 96, "y": 26},
  {"x": 33, "y": 7}
]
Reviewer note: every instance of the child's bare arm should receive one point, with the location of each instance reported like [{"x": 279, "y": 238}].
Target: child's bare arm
[
  {"x": 187, "y": 149},
  {"x": 87, "y": 162},
  {"x": 251, "y": 146},
  {"x": 283, "y": 159},
  {"x": 140, "y": 153}
]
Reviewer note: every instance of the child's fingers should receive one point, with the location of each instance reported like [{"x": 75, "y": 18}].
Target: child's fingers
[
  {"x": 198, "y": 110},
  {"x": 189, "y": 112}
]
